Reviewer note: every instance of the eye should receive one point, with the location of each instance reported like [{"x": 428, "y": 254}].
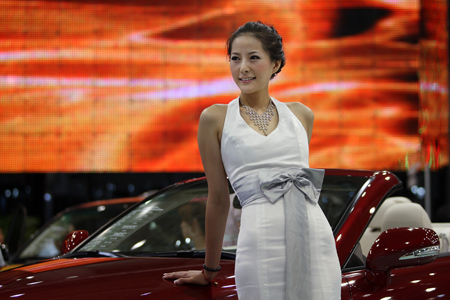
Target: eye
[
  {"x": 254, "y": 57},
  {"x": 234, "y": 58}
]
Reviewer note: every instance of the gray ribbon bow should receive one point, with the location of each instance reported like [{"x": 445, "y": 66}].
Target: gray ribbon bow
[{"x": 297, "y": 187}]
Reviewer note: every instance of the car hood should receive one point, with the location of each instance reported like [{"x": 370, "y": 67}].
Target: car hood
[{"x": 111, "y": 278}]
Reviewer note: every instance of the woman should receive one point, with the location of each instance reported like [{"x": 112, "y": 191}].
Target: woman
[{"x": 286, "y": 248}]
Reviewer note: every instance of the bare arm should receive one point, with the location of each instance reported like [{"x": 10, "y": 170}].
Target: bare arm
[
  {"x": 305, "y": 115},
  {"x": 209, "y": 132},
  {"x": 218, "y": 197}
]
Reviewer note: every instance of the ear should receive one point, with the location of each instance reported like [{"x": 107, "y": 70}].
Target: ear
[{"x": 276, "y": 66}]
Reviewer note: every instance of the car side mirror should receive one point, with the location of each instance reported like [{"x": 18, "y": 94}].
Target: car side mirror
[
  {"x": 72, "y": 240},
  {"x": 400, "y": 248}
]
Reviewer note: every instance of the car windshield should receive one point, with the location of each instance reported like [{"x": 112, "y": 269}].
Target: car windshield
[
  {"x": 47, "y": 242},
  {"x": 174, "y": 219}
]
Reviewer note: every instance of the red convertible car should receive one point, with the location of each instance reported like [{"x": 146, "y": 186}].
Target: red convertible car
[{"x": 387, "y": 247}]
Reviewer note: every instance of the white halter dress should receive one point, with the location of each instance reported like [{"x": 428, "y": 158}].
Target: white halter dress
[{"x": 286, "y": 248}]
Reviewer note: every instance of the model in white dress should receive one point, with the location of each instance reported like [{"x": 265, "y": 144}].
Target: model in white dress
[{"x": 278, "y": 256}]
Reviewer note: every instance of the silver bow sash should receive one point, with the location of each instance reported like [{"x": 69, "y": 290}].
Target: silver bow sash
[{"x": 297, "y": 186}]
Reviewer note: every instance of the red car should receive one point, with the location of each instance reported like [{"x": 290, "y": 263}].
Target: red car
[{"x": 126, "y": 258}]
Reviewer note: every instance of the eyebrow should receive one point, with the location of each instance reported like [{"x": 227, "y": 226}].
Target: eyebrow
[{"x": 251, "y": 52}]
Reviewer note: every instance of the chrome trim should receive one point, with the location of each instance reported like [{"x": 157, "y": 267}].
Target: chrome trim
[{"x": 424, "y": 252}]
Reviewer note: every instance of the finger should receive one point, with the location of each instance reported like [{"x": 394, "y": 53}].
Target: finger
[
  {"x": 181, "y": 281},
  {"x": 177, "y": 275},
  {"x": 189, "y": 280},
  {"x": 167, "y": 276}
]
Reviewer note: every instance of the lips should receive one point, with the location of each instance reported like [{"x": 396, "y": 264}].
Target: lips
[{"x": 247, "y": 79}]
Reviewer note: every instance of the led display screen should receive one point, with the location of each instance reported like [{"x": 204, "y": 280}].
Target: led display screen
[
  {"x": 118, "y": 86},
  {"x": 433, "y": 74}
]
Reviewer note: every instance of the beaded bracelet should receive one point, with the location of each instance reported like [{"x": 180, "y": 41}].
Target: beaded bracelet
[
  {"x": 212, "y": 270},
  {"x": 210, "y": 281}
]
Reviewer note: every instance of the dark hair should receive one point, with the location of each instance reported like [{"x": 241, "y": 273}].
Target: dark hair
[{"x": 271, "y": 41}]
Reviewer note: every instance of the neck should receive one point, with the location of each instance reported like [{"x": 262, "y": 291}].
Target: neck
[{"x": 255, "y": 101}]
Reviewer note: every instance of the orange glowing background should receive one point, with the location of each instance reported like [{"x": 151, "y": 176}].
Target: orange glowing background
[
  {"x": 118, "y": 86},
  {"x": 433, "y": 73}
]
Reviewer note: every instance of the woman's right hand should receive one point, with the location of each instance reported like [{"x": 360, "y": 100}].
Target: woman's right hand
[{"x": 188, "y": 277}]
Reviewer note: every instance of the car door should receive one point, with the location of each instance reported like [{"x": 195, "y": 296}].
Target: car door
[{"x": 345, "y": 289}]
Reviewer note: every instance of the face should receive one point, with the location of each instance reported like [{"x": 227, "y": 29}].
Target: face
[{"x": 250, "y": 65}]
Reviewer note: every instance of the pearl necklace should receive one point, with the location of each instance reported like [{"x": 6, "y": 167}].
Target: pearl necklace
[{"x": 262, "y": 122}]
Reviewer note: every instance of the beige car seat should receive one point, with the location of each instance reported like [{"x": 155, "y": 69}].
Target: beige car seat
[
  {"x": 443, "y": 231},
  {"x": 374, "y": 228},
  {"x": 412, "y": 215},
  {"x": 406, "y": 215},
  {"x": 401, "y": 212}
]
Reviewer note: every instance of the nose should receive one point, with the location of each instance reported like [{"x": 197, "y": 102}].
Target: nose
[{"x": 244, "y": 66}]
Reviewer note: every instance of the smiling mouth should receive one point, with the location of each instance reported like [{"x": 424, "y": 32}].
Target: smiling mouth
[{"x": 247, "y": 79}]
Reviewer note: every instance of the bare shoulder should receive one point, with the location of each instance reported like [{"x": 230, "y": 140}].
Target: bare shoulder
[
  {"x": 212, "y": 119},
  {"x": 215, "y": 110},
  {"x": 303, "y": 112}
]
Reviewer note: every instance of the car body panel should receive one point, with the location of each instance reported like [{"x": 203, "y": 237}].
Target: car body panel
[
  {"x": 379, "y": 185},
  {"x": 131, "y": 278},
  {"x": 139, "y": 272}
]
